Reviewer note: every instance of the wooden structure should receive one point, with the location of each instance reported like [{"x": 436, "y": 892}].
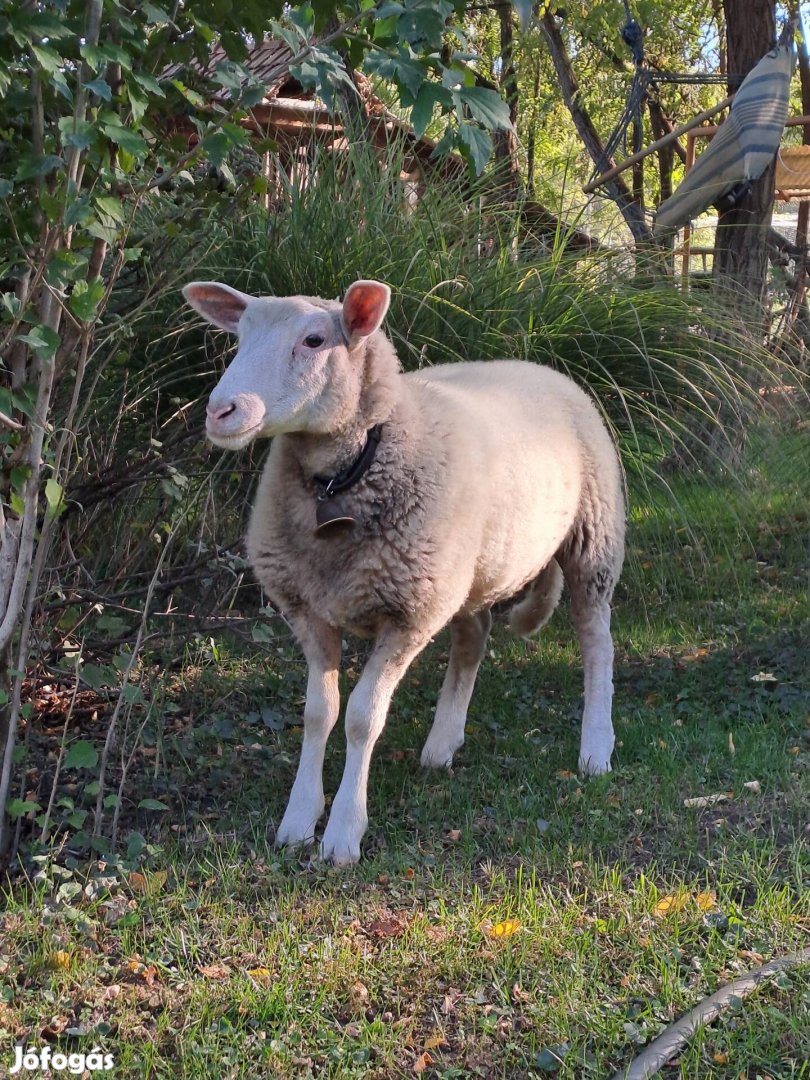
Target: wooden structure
[{"x": 295, "y": 121}]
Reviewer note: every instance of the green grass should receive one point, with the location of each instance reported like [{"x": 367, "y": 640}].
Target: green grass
[{"x": 227, "y": 959}]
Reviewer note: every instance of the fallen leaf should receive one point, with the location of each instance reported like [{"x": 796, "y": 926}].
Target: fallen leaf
[
  {"x": 409, "y": 873},
  {"x": 422, "y": 1062},
  {"x": 706, "y": 900},
  {"x": 454, "y": 834},
  {"x": 667, "y": 905},
  {"x": 138, "y": 882},
  {"x": 220, "y": 972},
  {"x": 110, "y": 993},
  {"x": 60, "y": 959},
  {"x": 753, "y": 785},
  {"x": 709, "y": 800},
  {"x": 565, "y": 774},
  {"x": 504, "y": 929},
  {"x": 435, "y": 1041},
  {"x": 719, "y": 1058},
  {"x": 386, "y": 928},
  {"x": 260, "y": 974},
  {"x": 359, "y": 994}
]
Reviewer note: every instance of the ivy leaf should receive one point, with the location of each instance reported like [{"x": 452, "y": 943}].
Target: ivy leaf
[
  {"x": 485, "y": 106},
  {"x": 81, "y": 755},
  {"x": 152, "y": 804},
  {"x": 476, "y": 145}
]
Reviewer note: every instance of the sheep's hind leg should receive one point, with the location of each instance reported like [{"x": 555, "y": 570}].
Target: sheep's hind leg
[
  {"x": 365, "y": 718},
  {"x": 468, "y": 641},
  {"x": 590, "y": 609},
  {"x": 321, "y": 645}
]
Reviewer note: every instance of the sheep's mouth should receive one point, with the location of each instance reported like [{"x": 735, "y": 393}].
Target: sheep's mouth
[{"x": 234, "y": 440}]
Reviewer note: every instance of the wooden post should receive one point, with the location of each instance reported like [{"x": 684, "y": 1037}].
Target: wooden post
[{"x": 691, "y": 139}]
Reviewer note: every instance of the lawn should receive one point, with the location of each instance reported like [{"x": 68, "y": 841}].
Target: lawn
[{"x": 508, "y": 919}]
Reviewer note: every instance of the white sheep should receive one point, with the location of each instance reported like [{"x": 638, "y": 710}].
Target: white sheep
[{"x": 393, "y": 504}]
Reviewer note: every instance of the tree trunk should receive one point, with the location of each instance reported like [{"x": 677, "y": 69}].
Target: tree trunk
[
  {"x": 505, "y": 142},
  {"x": 740, "y": 249},
  {"x": 616, "y": 188}
]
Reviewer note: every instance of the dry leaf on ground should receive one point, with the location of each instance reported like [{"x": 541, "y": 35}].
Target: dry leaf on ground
[
  {"x": 219, "y": 972},
  {"x": 503, "y": 929}
]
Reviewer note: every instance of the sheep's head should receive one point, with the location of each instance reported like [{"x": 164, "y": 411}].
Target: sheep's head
[{"x": 299, "y": 362}]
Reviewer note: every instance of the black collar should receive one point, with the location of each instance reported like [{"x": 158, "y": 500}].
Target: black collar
[{"x": 348, "y": 477}]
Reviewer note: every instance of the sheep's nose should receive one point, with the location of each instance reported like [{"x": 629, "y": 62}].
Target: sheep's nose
[{"x": 215, "y": 413}]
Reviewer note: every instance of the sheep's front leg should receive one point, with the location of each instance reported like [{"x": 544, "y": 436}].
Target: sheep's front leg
[
  {"x": 321, "y": 645},
  {"x": 468, "y": 643},
  {"x": 366, "y": 713}
]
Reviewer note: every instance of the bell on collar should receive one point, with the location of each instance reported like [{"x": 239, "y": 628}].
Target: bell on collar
[{"x": 331, "y": 520}]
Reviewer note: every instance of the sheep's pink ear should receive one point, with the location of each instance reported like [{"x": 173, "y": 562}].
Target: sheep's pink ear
[
  {"x": 220, "y": 304},
  {"x": 364, "y": 308}
]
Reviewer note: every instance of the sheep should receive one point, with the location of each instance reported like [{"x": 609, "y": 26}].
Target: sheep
[{"x": 392, "y": 505}]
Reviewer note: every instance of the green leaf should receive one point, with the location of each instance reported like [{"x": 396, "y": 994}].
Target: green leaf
[
  {"x": 31, "y": 165},
  {"x": 81, "y": 755},
  {"x": 190, "y": 95},
  {"x": 54, "y": 497},
  {"x": 127, "y": 139},
  {"x": 422, "y": 28},
  {"x": 96, "y": 676},
  {"x": 76, "y": 133},
  {"x": 401, "y": 69},
  {"x": 485, "y": 106},
  {"x": 85, "y": 298},
  {"x": 43, "y": 340},
  {"x": 110, "y": 207},
  {"x": 79, "y": 211},
  {"x": 98, "y": 56},
  {"x": 154, "y": 14},
  {"x": 138, "y": 103},
  {"x": 476, "y": 145},
  {"x": 101, "y": 88},
  {"x": 49, "y": 60},
  {"x": 430, "y": 94},
  {"x": 148, "y": 83},
  {"x": 17, "y": 808},
  {"x": 152, "y": 804}
]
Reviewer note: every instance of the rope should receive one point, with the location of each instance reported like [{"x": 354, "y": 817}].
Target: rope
[{"x": 673, "y": 1040}]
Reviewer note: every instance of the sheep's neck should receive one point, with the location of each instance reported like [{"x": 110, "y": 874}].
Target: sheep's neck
[{"x": 327, "y": 455}]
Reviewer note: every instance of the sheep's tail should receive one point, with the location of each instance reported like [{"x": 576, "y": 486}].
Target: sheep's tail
[{"x": 537, "y": 606}]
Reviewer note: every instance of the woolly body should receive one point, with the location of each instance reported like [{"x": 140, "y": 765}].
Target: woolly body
[
  {"x": 480, "y": 477},
  {"x": 489, "y": 478}
]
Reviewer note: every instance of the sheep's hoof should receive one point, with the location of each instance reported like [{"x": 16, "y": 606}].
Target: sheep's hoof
[
  {"x": 296, "y": 832},
  {"x": 340, "y": 854},
  {"x": 594, "y": 766},
  {"x": 437, "y": 755}
]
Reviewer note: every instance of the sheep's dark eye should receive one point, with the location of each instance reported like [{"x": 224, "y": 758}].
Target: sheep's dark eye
[{"x": 314, "y": 341}]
